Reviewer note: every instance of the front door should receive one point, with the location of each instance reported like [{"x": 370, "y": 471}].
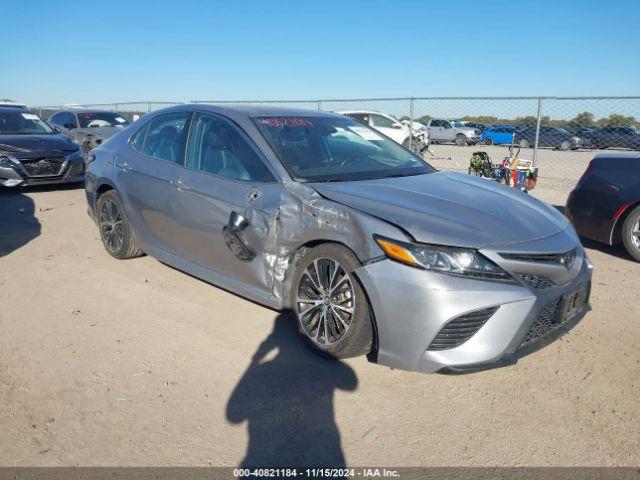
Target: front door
[{"x": 223, "y": 173}]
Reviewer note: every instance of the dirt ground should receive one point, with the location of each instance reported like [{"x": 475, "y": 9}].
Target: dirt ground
[{"x": 122, "y": 363}]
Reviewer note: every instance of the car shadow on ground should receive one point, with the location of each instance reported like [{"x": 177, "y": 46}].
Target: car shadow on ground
[
  {"x": 613, "y": 250},
  {"x": 18, "y": 223},
  {"x": 286, "y": 396}
]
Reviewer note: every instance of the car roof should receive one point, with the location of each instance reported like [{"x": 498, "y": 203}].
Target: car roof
[
  {"x": 340, "y": 111},
  {"x": 14, "y": 108},
  {"x": 617, "y": 155},
  {"x": 245, "y": 111},
  {"x": 83, "y": 110}
]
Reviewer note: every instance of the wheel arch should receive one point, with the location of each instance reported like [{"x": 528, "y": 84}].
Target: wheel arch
[
  {"x": 616, "y": 231},
  {"x": 288, "y": 281}
]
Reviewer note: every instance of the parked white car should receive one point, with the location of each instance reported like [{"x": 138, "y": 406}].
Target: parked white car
[
  {"x": 444, "y": 131},
  {"x": 392, "y": 128}
]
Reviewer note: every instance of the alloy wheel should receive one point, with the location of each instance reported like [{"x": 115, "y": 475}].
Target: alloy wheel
[
  {"x": 111, "y": 225},
  {"x": 635, "y": 234},
  {"x": 325, "y": 302}
]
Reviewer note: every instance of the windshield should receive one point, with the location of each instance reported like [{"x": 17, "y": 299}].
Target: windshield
[
  {"x": 333, "y": 149},
  {"x": 101, "y": 119},
  {"x": 22, "y": 123}
]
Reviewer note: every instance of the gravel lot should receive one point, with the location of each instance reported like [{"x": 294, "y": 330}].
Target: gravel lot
[{"x": 106, "y": 362}]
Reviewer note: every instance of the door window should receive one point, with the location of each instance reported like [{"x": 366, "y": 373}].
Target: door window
[
  {"x": 66, "y": 119},
  {"x": 165, "y": 139},
  {"x": 137, "y": 141},
  {"x": 217, "y": 147},
  {"x": 382, "y": 121}
]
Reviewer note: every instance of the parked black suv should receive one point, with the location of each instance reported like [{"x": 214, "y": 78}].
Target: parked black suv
[{"x": 32, "y": 152}]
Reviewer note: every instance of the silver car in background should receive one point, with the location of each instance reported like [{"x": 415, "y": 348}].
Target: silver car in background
[{"x": 373, "y": 250}]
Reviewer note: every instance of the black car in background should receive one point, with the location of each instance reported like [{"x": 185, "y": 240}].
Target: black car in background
[
  {"x": 31, "y": 152},
  {"x": 616, "y": 137},
  {"x": 605, "y": 204},
  {"x": 554, "y": 137},
  {"x": 585, "y": 132},
  {"x": 88, "y": 127}
]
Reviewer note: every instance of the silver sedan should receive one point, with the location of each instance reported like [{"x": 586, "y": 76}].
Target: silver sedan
[{"x": 373, "y": 250}]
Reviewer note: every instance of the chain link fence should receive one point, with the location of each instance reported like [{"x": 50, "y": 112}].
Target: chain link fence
[{"x": 559, "y": 134}]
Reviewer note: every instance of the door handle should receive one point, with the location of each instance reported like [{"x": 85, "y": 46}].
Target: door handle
[
  {"x": 180, "y": 184},
  {"x": 124, "y": 166}
]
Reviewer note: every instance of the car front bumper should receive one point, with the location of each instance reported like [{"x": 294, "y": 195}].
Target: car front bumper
[
  {"x": 411, "y": 306},
  {"x": 15, "y": 175}
]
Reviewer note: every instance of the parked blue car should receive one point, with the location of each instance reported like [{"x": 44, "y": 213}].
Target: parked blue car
[{"x": 498, "y": 135}]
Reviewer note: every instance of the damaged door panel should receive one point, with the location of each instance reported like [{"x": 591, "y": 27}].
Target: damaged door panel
[{"x": 218, "y": 225}]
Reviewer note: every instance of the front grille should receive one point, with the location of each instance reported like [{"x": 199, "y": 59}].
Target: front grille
[
  {"x": 536, "y": 281},
  {"x": 536, "y": 257},
  {"x": 43, "y": 167},
  {"x": 461, "y": 329},
  {"x": 548, "y": 320}
]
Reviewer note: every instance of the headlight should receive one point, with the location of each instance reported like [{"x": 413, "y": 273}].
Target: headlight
[
  {"x": 451, "y": 260},
  {"x": 7, "y": 161}
]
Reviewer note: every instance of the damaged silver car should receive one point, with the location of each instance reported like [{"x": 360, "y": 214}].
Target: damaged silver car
[{"x": 374, "y": 250}]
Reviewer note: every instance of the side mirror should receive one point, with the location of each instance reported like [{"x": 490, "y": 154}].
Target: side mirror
[
  {"x": 56, "y": 129},
  {"x": 397, "y": 125}
]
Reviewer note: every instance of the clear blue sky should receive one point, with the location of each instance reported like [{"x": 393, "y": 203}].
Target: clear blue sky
[{"x": 54, "y": 52}]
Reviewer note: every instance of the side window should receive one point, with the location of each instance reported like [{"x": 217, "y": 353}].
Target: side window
[
  {"x": 381, "y": 121},
  {"x": 216, "y": 146},
  {"x": 67, "y": 119},
  {"x": 446, "y": 124},
  {"x": 165, "y": 138},
  {"x": 436, "y": 123},
  {"x": 137, "y": 141},
  {"x": 361, "y": 117},
  {"x": 55, "y": 119}
]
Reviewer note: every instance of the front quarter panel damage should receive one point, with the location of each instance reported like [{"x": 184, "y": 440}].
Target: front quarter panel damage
[{"x": 303, "y": 217}]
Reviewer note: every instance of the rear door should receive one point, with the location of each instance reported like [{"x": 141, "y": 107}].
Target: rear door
[
  {"x": 224, "y": 172},
  {"x": 144, "y": 176},
  {"x": 436, "y": 130}
]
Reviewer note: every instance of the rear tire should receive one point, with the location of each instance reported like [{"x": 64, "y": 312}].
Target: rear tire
[
  {"x": 631, "y": 234},
  {"x": 488, "y": 141},
  {"x": 565, "y": 145},
  {"x": 461, "y": 140},
  {"x": 524, "y": 143},
  {"x": 115, "y": 230},
  {"x": 330, "y": 306}
]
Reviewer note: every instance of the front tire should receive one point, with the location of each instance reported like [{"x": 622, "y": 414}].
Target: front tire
[
  {"x": 565, "y": 145},
  {"x": 115, "y": 230},
  {"x": 524, "y": 143},
  {"x": 631, "y": 234},
  {"x": 488, "y": 141},
  {"x": 330, "y": 306},
  {"x": 461, "y": 140}
]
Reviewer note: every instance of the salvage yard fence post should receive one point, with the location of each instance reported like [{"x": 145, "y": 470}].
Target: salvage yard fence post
[
  {"x": 411, "y": 116},
  {"x": 535, "y": 145}
]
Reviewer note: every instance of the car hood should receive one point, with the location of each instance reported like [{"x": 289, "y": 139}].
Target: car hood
[
  {"x": 104, "y": 132},
  {"x": 454, "y": 209},
  {"x": 19, "y": 144}
]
